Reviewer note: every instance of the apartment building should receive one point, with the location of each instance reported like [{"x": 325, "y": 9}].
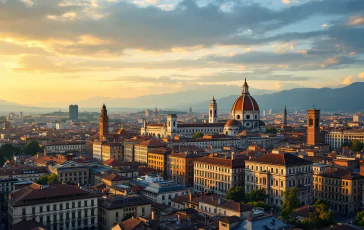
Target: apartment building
[
  {"x": 23, "y": 172},
  {"x": 218, "y": 173},
  {"x": 66, "y": 147},
  {"x": 112, "y": 151},
  {"x": 71, "y": 171},
  {"x": 141, "y": 149},
  {"x": 275, "y": 173},
  {"x": 336, "y": 139},
  {"x": 158, "y": 190},
  {"x": 157, "y": 159},
  {"x": 340, "y": 188},
  {"x": 114, "y": 208},
  {"x": 180, "y": 167},
  {"x": 58, "y": 206}
]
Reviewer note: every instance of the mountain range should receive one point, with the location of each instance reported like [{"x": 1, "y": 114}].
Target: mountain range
[{"x": 348, "y": 98}]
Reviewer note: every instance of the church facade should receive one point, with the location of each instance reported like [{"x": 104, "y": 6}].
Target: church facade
[{"x": 245, "y": 115}]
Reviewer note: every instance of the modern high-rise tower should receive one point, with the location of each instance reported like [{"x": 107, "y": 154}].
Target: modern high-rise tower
[
  {"x": 213, "y": 111},
  {"x": 313, "y": 126},
  {"x": 73, "y": 112},
  {"x": 104, "y": 124}
]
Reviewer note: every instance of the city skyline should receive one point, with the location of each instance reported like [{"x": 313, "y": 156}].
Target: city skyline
[{"x": 75, "y": 50}]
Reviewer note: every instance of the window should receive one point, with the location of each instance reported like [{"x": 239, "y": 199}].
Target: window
[
  {"x": 41, "y": 209},
  {"x": 85, "y": 203},
  {"x": 92, "y": 202},
  {"x": 79, "y": 204},
  {"x": 23, "y": 211},
  {"x": 33, "y": 210},
  {"x": 117, "y": 214}
]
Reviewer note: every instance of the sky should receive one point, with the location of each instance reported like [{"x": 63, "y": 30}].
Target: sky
[{"x": 64, "y": 51}]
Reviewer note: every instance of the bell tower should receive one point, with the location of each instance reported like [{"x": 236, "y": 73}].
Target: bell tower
[
  {"x": 104, "y": 124},
  {"x": 313, "y": 126},
  {"x": 284, "y": 117},
  {"x": 213, "y": 111}
]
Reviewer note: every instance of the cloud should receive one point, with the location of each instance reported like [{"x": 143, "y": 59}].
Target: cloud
[
  {"x": 348, "y": 80},
  {"x": 361, "y": 75},
  {"x": 40, "y": 64},
  {"x": 357, "y": 20},
  {"x": 129, "y": 26}
]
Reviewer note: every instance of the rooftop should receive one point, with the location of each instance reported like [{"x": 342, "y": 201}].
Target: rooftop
[
  {"x": 285, "y": 159},
  {"x": 340, "y": 173},
  {"x": 120, "y": 201},
  {"x": 38, "y": 194}
]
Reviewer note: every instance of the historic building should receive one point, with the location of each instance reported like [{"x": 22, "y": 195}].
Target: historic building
[
  {"x": 72, "y": 172},
  {"x": 116, "y": 208},
  {"x": 284, "y": 117},
  {"x": 336, "y": 139},
  {"x": 341, "y": 189},
  {"x": 157, "y": 159},
  {"x": 275, "y": 173},
  {"x": 245, "y": 115},
  {"x": 218, "y": 173},
  {"x": 180, "y": 167},
  {"x": 57, "y": 206},
  {"x": 313, "y": 127},
  {"x": 104, "y": 124}
]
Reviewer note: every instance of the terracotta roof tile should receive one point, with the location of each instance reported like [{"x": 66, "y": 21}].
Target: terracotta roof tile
[{"x": 280, "y": 159}]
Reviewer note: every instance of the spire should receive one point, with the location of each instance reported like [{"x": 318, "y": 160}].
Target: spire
[
  {"x": 245, "y": 88},
  {"x": 213, "y": 100}
]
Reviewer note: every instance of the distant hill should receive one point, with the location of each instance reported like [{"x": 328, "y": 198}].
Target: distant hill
[
  {"x": 165, "y": 101},
  {"x": 348, "y": 98}
]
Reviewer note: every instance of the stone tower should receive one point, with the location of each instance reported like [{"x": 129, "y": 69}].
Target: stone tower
[
  {"x": 213, "y": 111},
  {"x": 156, "y": 113},
  {"x": 284, "y": 117},
  {"x": 104, "y": 124},
  {"x": 313, "y": 126}
]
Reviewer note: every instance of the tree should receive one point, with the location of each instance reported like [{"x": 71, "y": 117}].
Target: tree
[
  {"x": 321, "y": 217},
  {"x": 357, "y": 145},
  {"x": 6, "y": 153},
  {"x": 42, "y": 180},
  {"x": 271, "y": 129},
  {"x": 290, "y": 203},
  {"x": 48, "y": 179},
  {"x": 256, "y": 195},
  {"x": 260, "y": 204},
  {"x": 32, "y": 148},
  {"x": 236, "y": 194},
  {"x": 359, "y": 219},
  {"x": 53, "y": 178},
  {"x": 197, "y": 135}
]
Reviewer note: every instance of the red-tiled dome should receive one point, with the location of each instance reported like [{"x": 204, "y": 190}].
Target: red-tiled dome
[
  {"x": 232, "y": 123},
  {"x": 245, "y": 102}
]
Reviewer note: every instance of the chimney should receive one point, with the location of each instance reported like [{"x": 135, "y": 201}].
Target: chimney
[
  {"x": 190, "y": 195},
  {"x": 153, "y": 215}
]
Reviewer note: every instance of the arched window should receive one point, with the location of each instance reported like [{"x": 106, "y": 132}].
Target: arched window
[
  {"x": 310, "y": 122},
  {"x": 211, "y": 112},
  {"x": 238, "y": 117}
]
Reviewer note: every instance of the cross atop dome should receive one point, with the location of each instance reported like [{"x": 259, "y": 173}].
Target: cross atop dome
[{"x": 245, "y": 88}]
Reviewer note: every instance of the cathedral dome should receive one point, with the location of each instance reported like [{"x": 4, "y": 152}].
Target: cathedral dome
[
  {"x": 232, "y": 123},
  {"x": 244, "y": 102}
]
